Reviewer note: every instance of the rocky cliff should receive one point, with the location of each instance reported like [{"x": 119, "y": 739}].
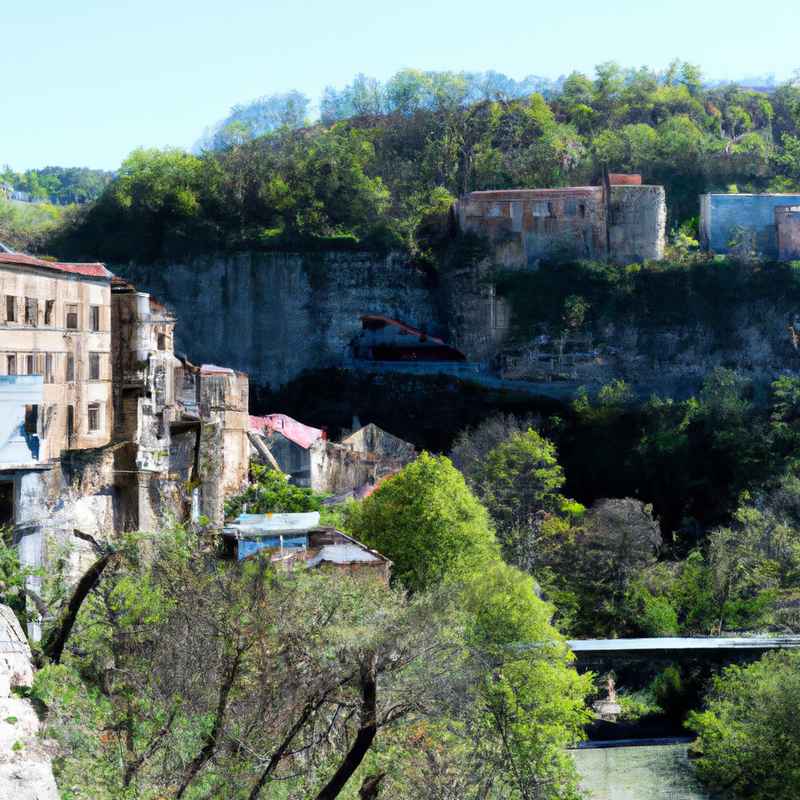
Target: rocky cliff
[
  {"x": 660, "y": 327},
  {"x": 25, "y": 769}
]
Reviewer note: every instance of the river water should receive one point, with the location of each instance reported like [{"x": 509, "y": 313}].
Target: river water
[{"x": 660, "y": 772}]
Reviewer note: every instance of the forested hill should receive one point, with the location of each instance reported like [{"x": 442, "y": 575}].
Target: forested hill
[{"x": 384, "y": 178}]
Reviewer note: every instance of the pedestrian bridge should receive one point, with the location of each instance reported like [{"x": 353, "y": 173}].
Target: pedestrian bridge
[{"x": 679, "y": 644}]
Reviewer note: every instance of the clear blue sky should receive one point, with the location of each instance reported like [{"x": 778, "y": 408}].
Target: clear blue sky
[{"x": 86, "y": 81}]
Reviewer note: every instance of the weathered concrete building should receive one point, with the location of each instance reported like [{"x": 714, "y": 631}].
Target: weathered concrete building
[
  {"x": 622, "y": 221},
  {"x": 55, "y": 324},
  {"x": 181, "y": 429},
  {"x": 102, "y": 428},
  {"x": 349, "y": 467},
  {"x": 748, "y": 224}
]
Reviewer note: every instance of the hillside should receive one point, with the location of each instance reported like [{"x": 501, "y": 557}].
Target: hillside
[{"x": 385, "y": 178}]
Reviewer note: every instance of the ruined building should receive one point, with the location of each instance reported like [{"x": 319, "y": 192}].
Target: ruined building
[
  {"x": 298, "y": 541},
  {"x": 766, "y": 225},
  {"x": 102, "y": 428},
  {"x": 622, "y": 221},
  {"x": 181, "y": 428},
  {"x": 351, "y": 466}
]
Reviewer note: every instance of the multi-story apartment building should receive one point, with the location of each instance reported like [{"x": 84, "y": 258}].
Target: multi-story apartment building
[{"x": 55, "y": 359}]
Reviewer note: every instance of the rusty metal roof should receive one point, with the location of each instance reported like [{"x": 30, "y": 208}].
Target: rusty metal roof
[{"x": 88, "y": 270}]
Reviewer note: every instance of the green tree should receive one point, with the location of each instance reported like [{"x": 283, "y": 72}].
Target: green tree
[
  {"x": 749, "y": 733},
  {"x": 428, "y": 522},
  {"x": 269, "y": 491}
]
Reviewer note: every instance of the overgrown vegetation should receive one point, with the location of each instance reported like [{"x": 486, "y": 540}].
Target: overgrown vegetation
[{"x": 382, "y": 167}]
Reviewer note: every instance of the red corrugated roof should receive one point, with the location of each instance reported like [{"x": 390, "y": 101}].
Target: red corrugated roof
[
  {"x": 403, "y": 327},
  {"x": 294, "y": 431},
  {"x": 90, "y": 270}
]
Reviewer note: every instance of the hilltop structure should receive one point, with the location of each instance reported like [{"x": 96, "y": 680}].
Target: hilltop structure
[
  {"x": 622, "y": 221},
  {"x": 766, "y": 225}
]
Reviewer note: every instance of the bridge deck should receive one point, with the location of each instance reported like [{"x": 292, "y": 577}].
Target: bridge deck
[{"x": 678, "y": 643}]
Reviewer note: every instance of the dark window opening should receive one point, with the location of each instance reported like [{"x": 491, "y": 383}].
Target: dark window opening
[
  {"x": 72, "y": 317},
  {"x": 94, "y": 366},
  {"x": 6, "y": 503},
  {"x": 49, "y": 307},
  {"x": 95, "y": 317},
  {"x": 30, "y": 365},
  {"x": 31, "y": 419},
  {"x": 582, "y": 210},
  {"x": 94, "y": 416},
  {"x": 70, "y": 421},
  {"x": 162, "y": 341},
  {"x": 11, "y": 365},
  {"x": 31, "y": 311},
  {"x": 70, "y": 368},
  {"x": 11, "y": 308}
]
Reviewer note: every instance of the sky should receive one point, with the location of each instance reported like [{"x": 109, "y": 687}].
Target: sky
[{"x": 87, "y": 81}]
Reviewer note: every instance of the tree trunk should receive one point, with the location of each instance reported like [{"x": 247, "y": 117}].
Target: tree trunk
[
  {"x": 210, "y": 744},
  {"x": 281, "y": 750},
  {"x": 53, "y": 647},
  {"x": 365, "y": 736}
]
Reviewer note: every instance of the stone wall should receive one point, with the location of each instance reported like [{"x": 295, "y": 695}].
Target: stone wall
[
  {"x": 637, "y": 221},
  {"x": 274, "y": 315}
]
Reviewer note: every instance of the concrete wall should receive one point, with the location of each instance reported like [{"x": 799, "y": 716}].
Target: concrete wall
[
  {"x": 274, "y": 315},
  {"x": 787, "y": 220},
  {"x": 637, "y": 221},
  {"x": 747, "y": 218}
]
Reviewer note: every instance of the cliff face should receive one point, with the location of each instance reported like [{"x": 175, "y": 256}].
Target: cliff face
[
  {"x": 277, "y": 315},
  {"x": 274, "y": 315}
]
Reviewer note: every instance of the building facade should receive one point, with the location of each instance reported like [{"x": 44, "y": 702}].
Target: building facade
[
  {"x": 748, "y": 224},
  {"x": 622, "y": 221}
]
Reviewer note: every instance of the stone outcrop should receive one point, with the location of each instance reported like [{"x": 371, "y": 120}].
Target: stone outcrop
[
  {"x": 274, "y": 316},
  {"x": 25, "y": 768}
]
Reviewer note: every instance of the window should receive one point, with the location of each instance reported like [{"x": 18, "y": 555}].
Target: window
[
  {"x": 162, "y": 341},
  {"x": 70, "y": 368},
  {"x": 11, "y": 365},
  {"x": 49, "y": 307},
  {"x": 11, "y": 308},
  {"x": 94, "y": 417},
  {"x": 31, "y": 311},
  {"x": 72, "y": 317},
  {"x": 31, "y": 419},
  {"x": 94, "y": 366},
  {"x": 70, "y": 421},
  {"x": 542, "y": 208},
  {"x": 94, "y": 317},
  {"x": 30, "y": 365},
  {"x": 48, "y": 368}
]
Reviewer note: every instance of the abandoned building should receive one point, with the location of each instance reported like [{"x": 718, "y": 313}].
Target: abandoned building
[
  {"x": 622, "y": 221},
  {"x": 177, "y": 425},
  {"x": 765, "y": 225},
  {"x": 298, "y": 541},
  {"x": 102, "y": 428},
  {"x": 348, "y": 467},
  {"x": 385, "y": 339}
]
